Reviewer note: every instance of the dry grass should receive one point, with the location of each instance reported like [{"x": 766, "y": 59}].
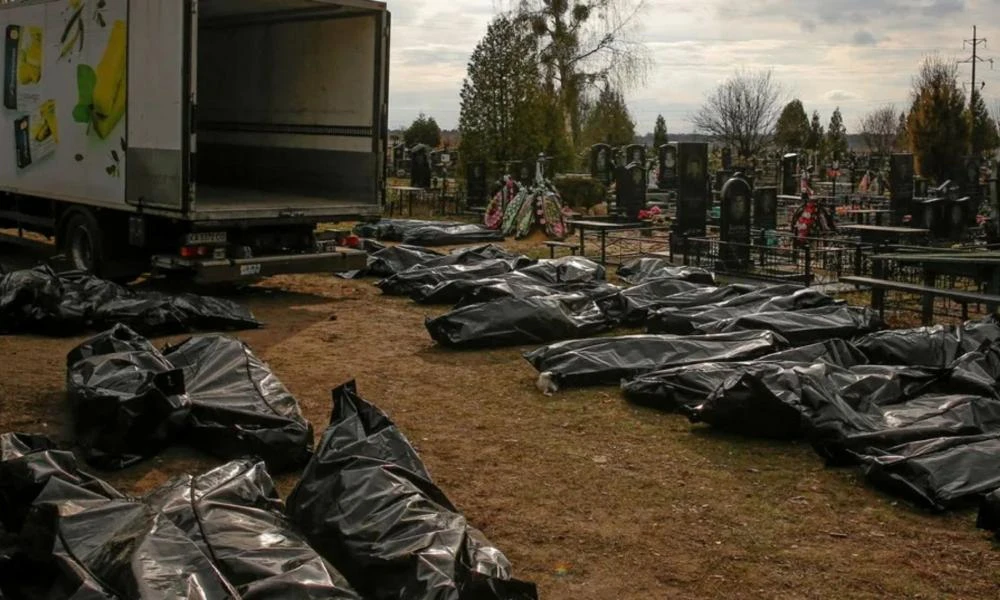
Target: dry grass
[{"x": 589, "y": 496}]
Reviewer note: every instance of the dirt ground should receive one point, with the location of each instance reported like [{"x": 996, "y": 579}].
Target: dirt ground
[{"x": 589, "y": 496}]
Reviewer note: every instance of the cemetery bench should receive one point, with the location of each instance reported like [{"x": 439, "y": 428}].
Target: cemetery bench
[
  {"x": 574, "y": 248},
  {"x": 880, "y": 286}
]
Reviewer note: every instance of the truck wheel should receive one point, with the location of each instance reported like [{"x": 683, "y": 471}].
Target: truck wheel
[{"x": 83, "y": 242}]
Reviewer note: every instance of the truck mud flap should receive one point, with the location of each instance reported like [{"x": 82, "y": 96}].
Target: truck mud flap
[{"x": 252, "y": 269}]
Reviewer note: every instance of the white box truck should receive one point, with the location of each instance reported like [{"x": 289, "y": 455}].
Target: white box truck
[{"x": 207, "y": 137}]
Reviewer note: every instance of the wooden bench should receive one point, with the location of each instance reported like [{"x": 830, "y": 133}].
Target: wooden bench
[
  {"x": 574, "y": 248},
  {"x": 880, "y": 286}
]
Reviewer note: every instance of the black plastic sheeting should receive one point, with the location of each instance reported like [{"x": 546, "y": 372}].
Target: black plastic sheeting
[
  {"x": 368, "y": 504},
  {"x": 393, "y": 230},
  {"x": 515, "y": 321},
  {"x": 235, "y": 515},
  {"x": 784, "y": 297},
  {"x": 416, "y": 279},
  {"x": 41, "y": 301},
  {"x": 689, "y": 385},
  {"x": 806, "y": 326},
  {"x": 440, "y": 235},
  {"x": 989, "y": 513},
  {"x": 547, "y": 276},
  {"x": 936, "y": 346},
  {"x": 657, "y": 294},
  {"x": 638, "y": 270},
  {"x": 608, "y": 360},
  {"x": 219, "y": 535},
  {"x": 130, "y": 400},
  {"x": 938, "y": 473}
]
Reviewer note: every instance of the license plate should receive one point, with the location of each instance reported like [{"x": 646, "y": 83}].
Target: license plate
[
  {"x": 247, "y": 270},
  {"x": 207, "y": 237}
]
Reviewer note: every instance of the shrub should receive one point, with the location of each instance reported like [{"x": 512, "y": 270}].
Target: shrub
[{"x": 581, "y": 193}]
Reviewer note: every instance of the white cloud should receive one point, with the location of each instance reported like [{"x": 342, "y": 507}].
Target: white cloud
[{"x": 858, "y": 54}]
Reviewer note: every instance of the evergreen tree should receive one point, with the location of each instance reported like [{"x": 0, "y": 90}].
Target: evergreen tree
[
  {"x": 836, "y": 145},
  {"x": 423, "y": 130},
  {"x": 936, "y": 126},
  {"x": 792, "y": 129},
  {"x": 983, "y": 135},
  {"x": 902, "y": 143},
  {"x": 609, "y": 121},
  {"x": 506, "y": 113},
  {"x": 660, "y": 132},
  {"x": 814, "y": 141}
]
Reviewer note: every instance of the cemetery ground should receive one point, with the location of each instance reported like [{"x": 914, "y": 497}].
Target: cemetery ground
[{"x": 589, "y": 496}]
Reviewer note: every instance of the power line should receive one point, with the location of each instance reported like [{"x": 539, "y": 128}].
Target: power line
[{"x": 974, "y": 59}]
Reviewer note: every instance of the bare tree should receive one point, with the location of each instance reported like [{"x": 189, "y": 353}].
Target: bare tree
[
  {"x": 879, "y": 129},
  {"x": 585, "y": 45},
  {"x": 742, "y": 112}
]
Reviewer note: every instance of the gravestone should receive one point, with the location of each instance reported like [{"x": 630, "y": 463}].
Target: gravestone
[
  {"x": 692, "y": 192},
  {"x": 765, "y": 208},
  {"x": 734, "y": 227},
  {"x": 420, "y": 167},
  {"x": 930, "y": 214},
  {"x": 635, "y": 153},
  {"x": 961, "y": 213},
  {"x": 790, "y": 175},
  {"x": 727, "y": 160},
  {"x": 526, "y": 172},
  {"x": 970, "y": 180},
  {"x": 398, "y": 155},
  {"x": 721, "y": 177},
  {"x": 601, "y": 163},
  {"x": 919, "y": 187},
  {"x": 667, "y": 155},
  {"x": 630, "y": 190},
  {"x": 901, "y": 173},
  {"x": 475, "y": 184}
]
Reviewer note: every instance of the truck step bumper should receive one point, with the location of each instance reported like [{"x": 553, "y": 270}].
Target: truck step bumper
[{"x": 251, "y": 269}]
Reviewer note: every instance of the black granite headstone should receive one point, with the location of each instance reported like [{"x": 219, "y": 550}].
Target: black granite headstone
[
  {"x": 601, "y": 163},
  {"x": 960, "y": 214},
  {"x": 734, "y": 229},
  {"x": 901, "y": 186},
  {"x": 635, "y": 153},
  {"x": 630, "y": 190},
  {"x": 727, "y": 159},
  {"x": 475, "y": 184},
  {"x": 790, "y": 175},
  {"x": 765, "y": 208},
  {"x": 667, "y": 155},
  {"x": 692, "y": 191},
  {"x": 420, "y": 167}
]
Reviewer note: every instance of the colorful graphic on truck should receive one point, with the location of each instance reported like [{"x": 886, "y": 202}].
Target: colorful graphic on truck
[{"x": 65, "y": 62}]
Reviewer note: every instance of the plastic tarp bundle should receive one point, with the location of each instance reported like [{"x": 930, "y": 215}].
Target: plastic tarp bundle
[
  {"x": 395, "y": 259},
  {"x": 238, "y": 406},
  {"x": 367, "y": 503},
  {"x": 657, "y": 294},
  {"x": 784, "y": 298},
  {"x": 641, "y": 269},
  {"x": 127, "y": 400},
  {"x": 608, "y": 360},
  {"x": 415, "y": 279},
  {"x": 547, "y": 276},
  {"x": 41, "y": 301},
  {"x": 688, "y": 386},
  {"x": 940, "y": 473},
  {"x": 444, "y": 235},
  {"x": 130, "y": 401},
  {"x": 235, "y": 515},
  {"x": 938, "y": 346},
  {"x": 393, "y": 230},
  {"x": 515, "y": 321},
  {"x": 806, "y": 326},
  {"x": 219, "y": 535}
]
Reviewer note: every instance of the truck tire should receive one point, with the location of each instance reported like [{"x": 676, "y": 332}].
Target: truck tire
[{"x": 83, "y": 242}]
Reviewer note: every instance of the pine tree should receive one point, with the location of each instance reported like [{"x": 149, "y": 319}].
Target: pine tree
[
  {"x": 836, "y": 145},
  {"x": 423, "y": 130},
  {"x": 814, "y": 141},
  {"x": 983, "y": 135},
  {"x": 936, "y": 126},
  {"x": 506, "y": 113},
  {"x": 609, "y": 121},
  {"x": 660, "y": 132},
  {"x": 792, "y": 129},
  {"x": 902, "y": 143}
]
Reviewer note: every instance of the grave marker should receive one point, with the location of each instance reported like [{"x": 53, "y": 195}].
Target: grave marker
[
  {"x": 901, "y": 173},
  {"x": 734, "y": 230},
  {"x": 692, "y": 192}
]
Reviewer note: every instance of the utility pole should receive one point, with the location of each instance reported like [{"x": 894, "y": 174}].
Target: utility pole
[{"x": 975, "y": 42}]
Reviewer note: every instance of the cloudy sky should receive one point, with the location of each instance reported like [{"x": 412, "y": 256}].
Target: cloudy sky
[{"x": 858, "y": 54}]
